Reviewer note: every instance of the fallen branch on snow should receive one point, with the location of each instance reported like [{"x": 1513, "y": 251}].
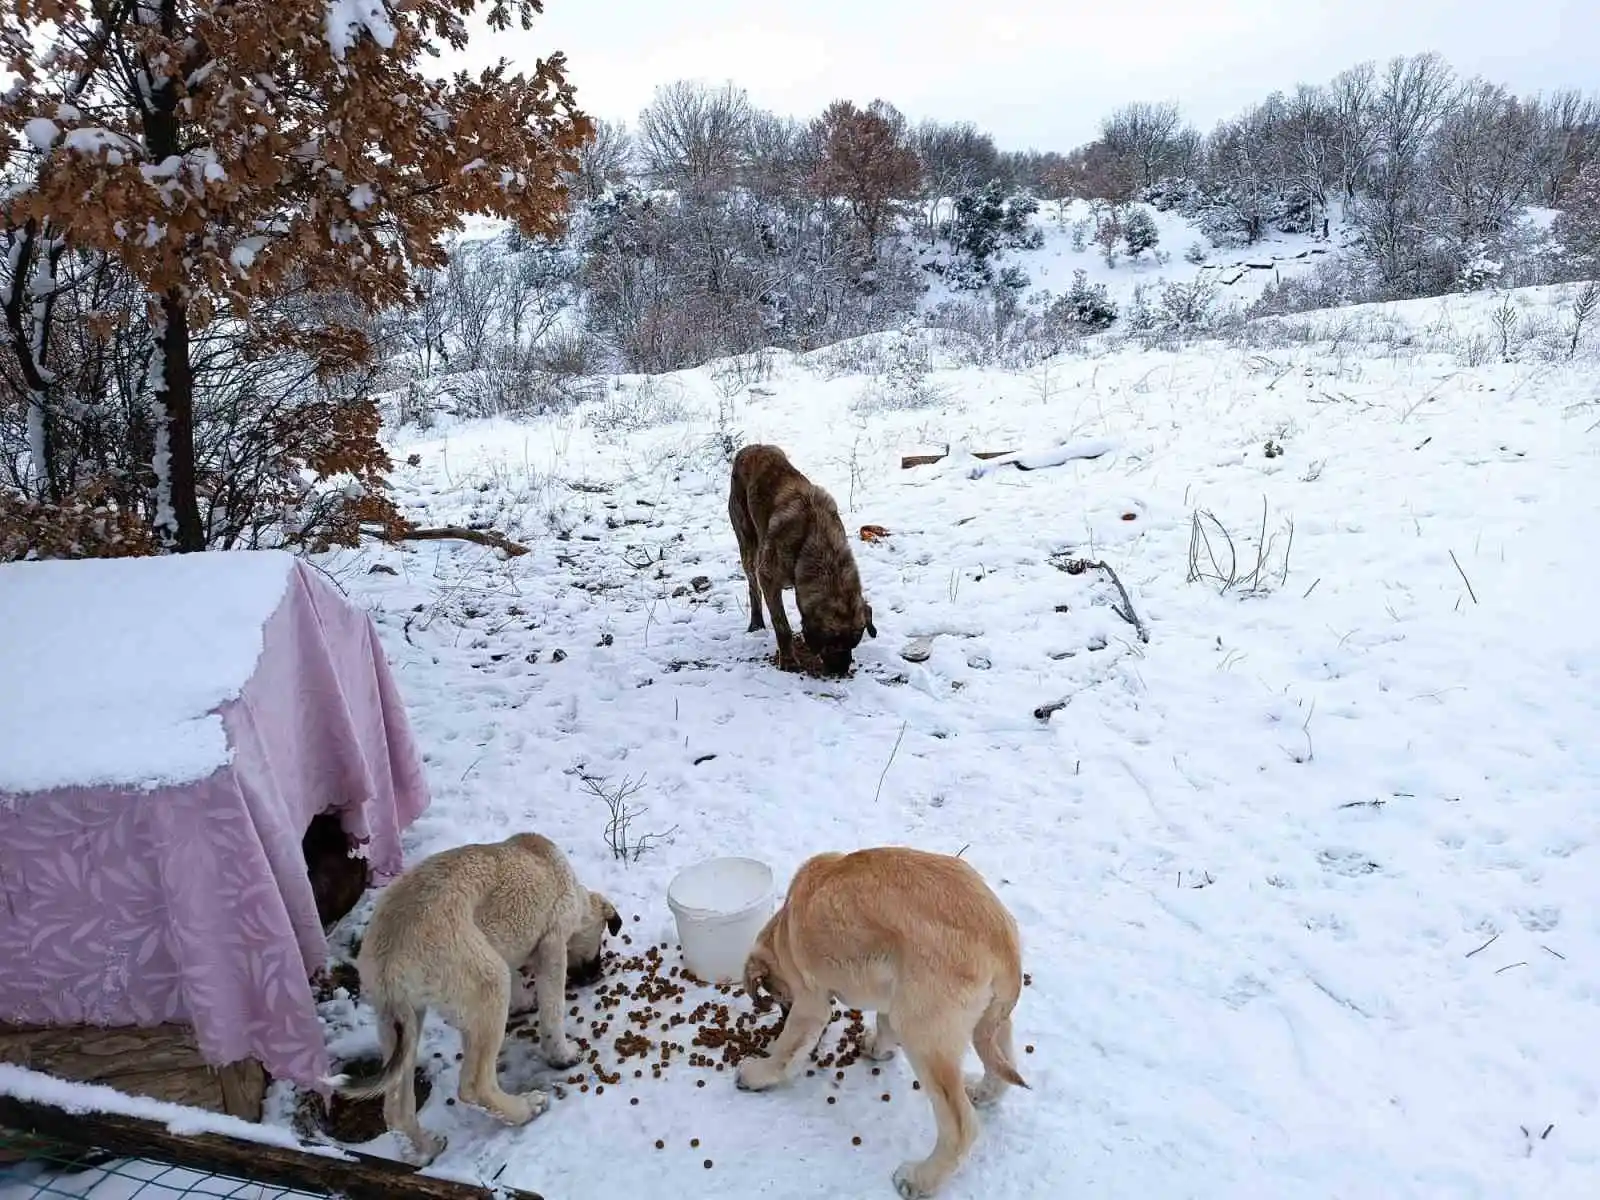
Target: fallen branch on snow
[
  {"x": 453, "y": 533},
  {"x": 1077, "y": 566},
  {"x": 1038, "y": 460},
  {"x": 927, "y": 460},
  {"x": 1044, "y": 711}
]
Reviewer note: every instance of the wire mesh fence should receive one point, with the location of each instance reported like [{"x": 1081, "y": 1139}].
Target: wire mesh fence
[{"x": 52, "y": 1170}]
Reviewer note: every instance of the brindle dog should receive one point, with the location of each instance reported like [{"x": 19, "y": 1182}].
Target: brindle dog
[{"x": 790, "y": 535}]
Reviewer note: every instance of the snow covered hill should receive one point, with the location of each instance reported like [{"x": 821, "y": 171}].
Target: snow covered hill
[{"x": 1068, "y": 246}]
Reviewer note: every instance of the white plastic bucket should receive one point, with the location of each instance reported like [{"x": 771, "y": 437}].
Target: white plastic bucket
[{"x": 720, "y": 905}]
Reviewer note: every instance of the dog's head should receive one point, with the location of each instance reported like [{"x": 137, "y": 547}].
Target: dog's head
[
  {"x": 834, "y": 643},
  {"x": 762, "y": 982},
  {"x": 586, "y": 942}
]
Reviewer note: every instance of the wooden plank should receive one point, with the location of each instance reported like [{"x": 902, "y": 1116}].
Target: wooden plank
[
  {"x": 162, "y": 1062},
  {"x": 925, "y": 460},
  {"x": 359, "y": 1177},
  {"x": 244, "y": 1089}
]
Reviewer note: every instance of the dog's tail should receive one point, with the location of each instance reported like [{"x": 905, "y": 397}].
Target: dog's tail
[
  {"x": 407, "y": 1026},
  {"x": 992, "y": 1036}
]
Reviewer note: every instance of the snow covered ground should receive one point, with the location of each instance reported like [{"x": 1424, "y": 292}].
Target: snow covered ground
[
  {"x": 1306, "y": 881},
  {"x": 1239, "y": 274}
]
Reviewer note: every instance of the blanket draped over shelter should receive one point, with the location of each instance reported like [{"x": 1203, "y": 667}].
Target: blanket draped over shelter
[{"x": 180, "y": 894}]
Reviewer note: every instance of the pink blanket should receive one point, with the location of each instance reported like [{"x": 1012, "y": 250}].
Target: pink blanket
[{"x": 191, "y": 903}]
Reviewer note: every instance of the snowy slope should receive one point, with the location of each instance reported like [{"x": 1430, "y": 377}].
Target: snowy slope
[
  {"x": 1306, "y": 882},
  {"x": 1239, "y": 273}
]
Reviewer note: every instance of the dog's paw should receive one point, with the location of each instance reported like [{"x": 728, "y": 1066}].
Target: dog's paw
[
  {"x": 560, "y": 1055},
  {"x": 756, "y": 623},
  {"x": 524, "y": 1107},
  {"x": 421, "y": 1152},
  {"x": 911, "y": 1181},
  {"x": 755, "y": 1075},
  {"x": 984, "y": 1091},
  {"x": 876, "y": 1053}
]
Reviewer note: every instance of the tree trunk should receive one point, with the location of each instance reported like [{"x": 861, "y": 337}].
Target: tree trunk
[
  {"x": 174, "y": 393},
  {"x": 176, "y": 398}
]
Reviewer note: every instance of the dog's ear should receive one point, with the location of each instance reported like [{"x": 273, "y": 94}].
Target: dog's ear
[
  {"x": 757, "y": 969},
  {"x": 872, "y": 630},
  {"x": 609, "y": 912}
]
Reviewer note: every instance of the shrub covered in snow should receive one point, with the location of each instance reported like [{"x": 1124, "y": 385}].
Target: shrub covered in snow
[
  {"x": 1086, "y": 306},
  {"x": 987, "y": 221},
  {"x": 1139, "y": 232}
]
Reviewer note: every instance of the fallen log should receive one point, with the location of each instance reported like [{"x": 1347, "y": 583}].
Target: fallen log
[
  {"x": 927, "y": 460},
  {"x": 1052, "y": 456},
  {"x": 353, "y": 1175},
  {"x": 452, "y": 533}
]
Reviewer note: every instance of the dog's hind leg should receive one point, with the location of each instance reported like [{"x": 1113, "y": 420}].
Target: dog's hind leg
[
  {"x": 935, "y": 1052},
  {"x": 749, "y": 540},
  {"x": 482, "y": 1008},
  {"x": 400, "y": 1097},
  {"x": 550, "y": 982}
]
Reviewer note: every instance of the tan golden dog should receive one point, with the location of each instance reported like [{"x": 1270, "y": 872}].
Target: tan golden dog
[
  {"x": 790, "y": 535},
  {"x": 450, "y": 934},
  {"x": 923, "y": 941}
]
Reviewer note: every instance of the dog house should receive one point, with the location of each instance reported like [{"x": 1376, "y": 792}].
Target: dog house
[{"x": 178, "y": 735}]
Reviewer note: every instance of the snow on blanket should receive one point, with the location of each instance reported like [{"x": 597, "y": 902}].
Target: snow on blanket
[{"x": 116, "y": 667}]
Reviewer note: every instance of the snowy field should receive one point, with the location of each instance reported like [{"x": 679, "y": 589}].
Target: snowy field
[{"x": 1306, "y": 881}]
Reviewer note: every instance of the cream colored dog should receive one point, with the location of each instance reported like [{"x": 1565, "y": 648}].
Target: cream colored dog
[
  {"x": 923, "y": 941},
  {"x": 450, "y": 934}
]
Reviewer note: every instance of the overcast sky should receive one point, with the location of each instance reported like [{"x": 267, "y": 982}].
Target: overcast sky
[{"x": 1039, "y": 73}]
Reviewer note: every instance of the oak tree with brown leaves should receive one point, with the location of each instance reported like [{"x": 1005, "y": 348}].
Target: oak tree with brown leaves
[
  {"x": 868, "y": 162},
  {"x": 227, "y": 153}
]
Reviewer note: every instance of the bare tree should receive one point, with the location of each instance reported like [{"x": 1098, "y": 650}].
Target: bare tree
[
  {"x": 1397, "y": 217},
  {"x": 1413, "y": 96},
  {"x": 1353, "y": 110},
  {"x": 1310, "y": 150},
  {"x": 1578, "y": 226},
  {"x": 1239, "y": 173},
  {"x": 475, "y": 285},
  {"x": 1145, "y": 134},
  {"x": 691, "y": 135},
  {"x": 956, "y": 158},
  {"x": 1569, "y": 141},
  {"x": 1485, "y": 159},
  {"x": 425, "y": 325},
  {"x": 604, "y": 161}
]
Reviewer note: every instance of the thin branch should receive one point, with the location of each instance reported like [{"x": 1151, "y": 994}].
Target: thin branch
[
  {"x": 1077, "y": 566},
  {"x": 1464, "y": 578},
  {"x": 890, "y": 763}
]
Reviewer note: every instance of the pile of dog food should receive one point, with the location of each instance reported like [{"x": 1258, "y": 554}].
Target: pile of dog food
[{"x": 650, "y": 1012}]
